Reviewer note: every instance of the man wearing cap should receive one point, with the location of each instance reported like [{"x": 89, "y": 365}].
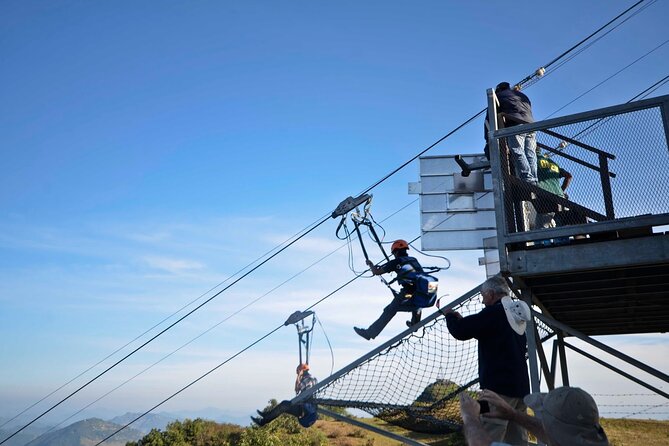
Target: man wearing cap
[
  {"x": 306, "y": 413},
  {"x": 566, "y": 416},
  {"x": 402, "y": 300},
  {"x": 500, "y": 331}
]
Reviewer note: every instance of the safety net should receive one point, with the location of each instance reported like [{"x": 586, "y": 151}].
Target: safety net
[{"x": 415, "y": 381}]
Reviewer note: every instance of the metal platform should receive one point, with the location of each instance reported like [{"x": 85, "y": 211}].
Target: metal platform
[
  {"x": 595, "y": 262},
  {"x": 602, "y": 288}
]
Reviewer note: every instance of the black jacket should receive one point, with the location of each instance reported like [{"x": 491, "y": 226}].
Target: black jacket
[
  {"x": 515, "y": 105},
  {"x": 502, "y": 365}
]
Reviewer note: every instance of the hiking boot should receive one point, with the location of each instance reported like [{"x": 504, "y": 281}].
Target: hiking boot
[
  {"x": 259, "y": 421},
  {"x": 362, "y": 333}
]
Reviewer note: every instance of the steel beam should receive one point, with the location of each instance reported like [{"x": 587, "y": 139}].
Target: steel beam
[
  {"x": 623, "y": 357},
  {"x": 369, "y": 427},
  {"x": 617, "y": 370}
]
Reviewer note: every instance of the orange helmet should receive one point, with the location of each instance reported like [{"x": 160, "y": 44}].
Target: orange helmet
[
  {"x": 399, "y": 244},
  {"x": 302, "y": 368}
]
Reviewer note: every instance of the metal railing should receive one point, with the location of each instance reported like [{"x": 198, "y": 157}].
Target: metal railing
[{"x": 618, "y": 160}]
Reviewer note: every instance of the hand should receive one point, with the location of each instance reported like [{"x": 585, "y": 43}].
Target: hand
[
  {"x": 498, "y": 407},
  {"x": 451, "y": 311},
  {"x": 469, "y": 407}
]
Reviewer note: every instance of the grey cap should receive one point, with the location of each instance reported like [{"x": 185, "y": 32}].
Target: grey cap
[{"x": 569, "y": 415}]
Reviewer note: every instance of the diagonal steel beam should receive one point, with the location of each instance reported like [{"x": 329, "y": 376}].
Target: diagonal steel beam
[
  {"x": 369, "y": 427},
  {"x": 617, "y": 370},
  {"x": 623, "y": 357}
]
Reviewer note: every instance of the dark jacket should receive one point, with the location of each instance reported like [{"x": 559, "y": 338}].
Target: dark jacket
[
  {"x": 395, "y": 265},
  {"x": 502, "y": 366},
  {"x": 515, "y": 105}
]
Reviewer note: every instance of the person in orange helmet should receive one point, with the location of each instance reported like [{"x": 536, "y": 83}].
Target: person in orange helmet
[{"x": 404, "y": 266}]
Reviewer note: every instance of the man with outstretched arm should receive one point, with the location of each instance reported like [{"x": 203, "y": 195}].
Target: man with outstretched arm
[{"x": 500, "y": 331}]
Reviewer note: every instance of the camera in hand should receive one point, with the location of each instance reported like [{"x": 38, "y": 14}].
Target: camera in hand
[{"x": 485, "y": 407}]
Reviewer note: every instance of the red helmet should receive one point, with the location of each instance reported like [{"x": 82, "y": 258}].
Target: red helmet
[
  {"x": 302, "y": 368},
  {"x": 399, "y": 244}
]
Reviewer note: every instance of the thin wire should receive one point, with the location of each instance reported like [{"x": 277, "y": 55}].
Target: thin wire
[
  {"x": 154, "y": 326},
  {"x": 198, "y": 337},
  {"x": 651, "y": 89},
  {"x": 592, "y": 127},
  {"x": 225, "y": 320},
  {"x": 230, "y": 358},
  {"x": 593, "y": 34},
  {"x": 604, "y": 35},
  {"x": 332, "y": 357},
  {"x": 191, "y": 384},
  {"x": 424, "y": 151},
  {"x": 534, "y": 78},
  {"x": 609, "y": 78}
]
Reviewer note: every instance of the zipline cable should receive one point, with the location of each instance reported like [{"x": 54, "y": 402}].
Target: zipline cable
[
  {"x": 593, "y": 34},
  {"x": 323, "y": 220},
  {"x": 258, "y": 259},
  {"x": 230, "y": 358},
  {"x": 238, "y": 311},
  {"x": 135, "y": 339},
  {"x": 650, "y": 89}
]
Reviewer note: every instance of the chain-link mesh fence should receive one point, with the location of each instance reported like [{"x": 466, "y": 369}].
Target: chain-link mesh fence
[{"x": 615, "y": 166}]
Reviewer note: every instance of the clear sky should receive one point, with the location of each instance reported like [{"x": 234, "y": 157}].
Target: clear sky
[{"x": 150, "y": 150}]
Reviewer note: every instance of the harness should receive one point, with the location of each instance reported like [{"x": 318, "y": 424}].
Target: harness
[{"x": 416, "y": 283}]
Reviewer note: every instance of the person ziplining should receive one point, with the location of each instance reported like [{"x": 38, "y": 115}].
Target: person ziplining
[
  {"x": 306, "y": 411},
  {"x": 418, "y": 289}
]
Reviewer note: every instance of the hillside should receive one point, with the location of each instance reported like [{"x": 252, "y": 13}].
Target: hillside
[
  {"x": 621, "y": 432},
  {"x": 88, "y": 432},
  {"x": 146, "y": 423}
]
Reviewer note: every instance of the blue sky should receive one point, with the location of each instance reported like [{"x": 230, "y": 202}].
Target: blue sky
[{"x": 151, "y": 150}]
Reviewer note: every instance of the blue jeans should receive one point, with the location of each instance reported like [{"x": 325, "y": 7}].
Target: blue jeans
[{"x": 523, "y": 152}]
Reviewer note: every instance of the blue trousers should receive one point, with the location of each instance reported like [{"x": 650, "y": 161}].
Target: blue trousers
[
  {"x": 523, "y": 153},
  {"x": 398, "y": 304}
]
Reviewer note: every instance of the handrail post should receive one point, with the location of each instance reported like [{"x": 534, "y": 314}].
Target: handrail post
[
  {"x": 606, "y": 186},
  {"x": 498, "y": 185}
]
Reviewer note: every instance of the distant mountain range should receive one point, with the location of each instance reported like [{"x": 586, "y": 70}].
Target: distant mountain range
[
  {"x": 84, "y": 432},
  {"x": 146, "y": 423},
  {"x": 92, "y": 430}
]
